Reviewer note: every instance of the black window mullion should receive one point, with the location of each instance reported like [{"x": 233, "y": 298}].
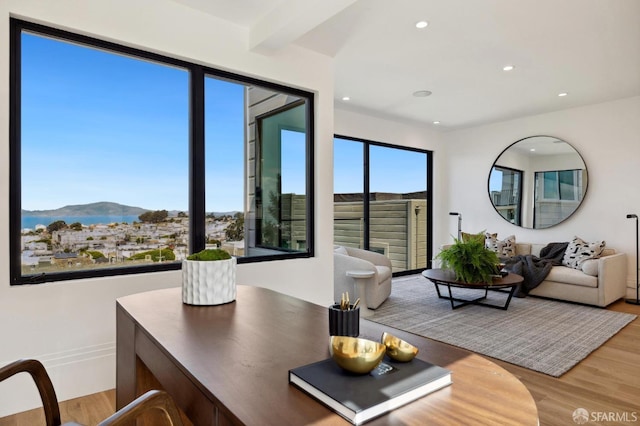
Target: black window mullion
[
  {"x": 310, "y": 202},
  {"x": 366, "y": 197},
  {"x": 15, "y": 192},
  {"x": 429, "y": 209},
  {"x": 197, "y": 161}
]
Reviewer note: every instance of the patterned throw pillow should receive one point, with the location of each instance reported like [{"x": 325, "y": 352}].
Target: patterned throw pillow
[
  {"x": 504, "y": 248},
  {"x": 580, "y": 251},
  {"x": 466, "y": 237}
]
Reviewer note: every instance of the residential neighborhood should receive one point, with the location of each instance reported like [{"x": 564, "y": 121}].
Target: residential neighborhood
[{"x": 117, "y": 244}]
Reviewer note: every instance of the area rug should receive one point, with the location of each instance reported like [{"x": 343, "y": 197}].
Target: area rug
[{"x": 542, "y": 335}]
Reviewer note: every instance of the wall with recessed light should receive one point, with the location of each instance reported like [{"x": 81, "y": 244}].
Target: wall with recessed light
[
  {"x": 607, "y": 135},
  {"x": 71, "y": 325}
]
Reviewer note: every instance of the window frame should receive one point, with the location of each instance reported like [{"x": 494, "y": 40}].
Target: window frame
[
  {"x": 366, "y": 194},
  {"x": 260, "y": 149},
  {"x": 540, "y": 186},
  {"x": 520, "y": 174},
  {"x": 197, "y": 74}
]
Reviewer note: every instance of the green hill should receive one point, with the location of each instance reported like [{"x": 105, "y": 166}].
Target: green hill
[{"x": 103, "y": 208}]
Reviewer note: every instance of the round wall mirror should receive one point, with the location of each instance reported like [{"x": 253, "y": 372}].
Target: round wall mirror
[{"x": 537, "y": 182}]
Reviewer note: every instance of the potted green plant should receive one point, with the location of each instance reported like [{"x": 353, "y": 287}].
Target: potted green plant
[
  {"x": 470, "y": 260},
  {"x": 209, "y": 278}
]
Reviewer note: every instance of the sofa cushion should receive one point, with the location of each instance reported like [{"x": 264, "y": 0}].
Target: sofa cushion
[
  {"x": 607, "y": 252},
  {"x": 579, "y": 251},
  {"x": 504, "y": 248},
  {"x": 523, "y": 249},
  {"x": 566, "y": 275},
  {"x": 590, "y": 267}
]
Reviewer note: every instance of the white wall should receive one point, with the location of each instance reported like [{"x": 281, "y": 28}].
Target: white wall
[
  {"x": 607, "y": 135},
  {"x": 71, "y": 325}
]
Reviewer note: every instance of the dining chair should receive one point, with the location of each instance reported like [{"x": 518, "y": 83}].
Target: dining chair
[{"x": 151, "y": 400}]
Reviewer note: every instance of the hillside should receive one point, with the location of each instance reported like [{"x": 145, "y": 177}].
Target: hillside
[{"x": 103, "y": 208}]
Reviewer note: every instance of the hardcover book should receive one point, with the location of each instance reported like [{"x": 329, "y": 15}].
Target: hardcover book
[{"x": 359, "y": 398}]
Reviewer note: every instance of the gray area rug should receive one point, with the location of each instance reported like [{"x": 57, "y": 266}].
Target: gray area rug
[{"x": 542, "y": 335}]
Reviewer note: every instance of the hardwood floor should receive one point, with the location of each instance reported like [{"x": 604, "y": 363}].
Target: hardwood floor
[
  {"x": 606, "y": 384},
  {"x": 87, "y": 410}
]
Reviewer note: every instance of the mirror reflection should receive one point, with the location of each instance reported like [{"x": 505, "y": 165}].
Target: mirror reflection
[{"x": 537, "y": 182}]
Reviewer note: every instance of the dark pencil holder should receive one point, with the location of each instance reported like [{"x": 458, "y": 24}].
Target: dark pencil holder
[{"x": 344, "y": 323}]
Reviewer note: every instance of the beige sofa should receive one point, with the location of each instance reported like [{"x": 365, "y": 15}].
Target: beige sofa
[
  {"x": 601, "y": 281},
  {"x": 377, "y": 287}
]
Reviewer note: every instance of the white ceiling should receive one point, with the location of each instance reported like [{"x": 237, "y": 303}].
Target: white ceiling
[{"x": 589, "y": 49}]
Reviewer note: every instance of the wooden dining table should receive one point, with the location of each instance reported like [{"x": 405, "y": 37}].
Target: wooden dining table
[{"x": 228, "y": 364}]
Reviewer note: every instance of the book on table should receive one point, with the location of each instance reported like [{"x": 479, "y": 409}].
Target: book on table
[{"x": 359, "y": 398}]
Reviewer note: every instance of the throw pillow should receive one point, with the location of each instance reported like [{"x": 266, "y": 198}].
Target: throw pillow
[
  {"x": 466, "y": 237},
  {"x": 580, "y": 251},
  {"x": 504, "y": 248}
]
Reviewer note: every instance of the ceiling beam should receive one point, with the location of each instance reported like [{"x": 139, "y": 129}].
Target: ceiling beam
[{"x": 290, "y": 20}]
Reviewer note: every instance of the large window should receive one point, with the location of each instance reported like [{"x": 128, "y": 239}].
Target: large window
[
  {"x": 382, "y": 201},
  {"x": 123, "y": 161},
  {"x": 505, "y": 189},
  {"x": 557, "y": 194}
]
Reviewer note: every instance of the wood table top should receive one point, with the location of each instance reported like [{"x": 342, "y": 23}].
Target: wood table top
[{"x": 239, "y": 355}]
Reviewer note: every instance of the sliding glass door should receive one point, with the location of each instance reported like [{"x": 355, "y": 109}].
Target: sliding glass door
[
  {"x": 398, "y": 206},
  {"x": 382, "y": 201},
  {"x": 348, "y": 197}
]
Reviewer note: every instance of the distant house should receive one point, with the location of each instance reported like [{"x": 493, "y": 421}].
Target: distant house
[{"x": 65, "y": 256}]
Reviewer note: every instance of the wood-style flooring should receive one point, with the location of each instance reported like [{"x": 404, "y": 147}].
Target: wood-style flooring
[
  {"x": 606, "y": 384},
  {"x": 86, "y": 410}
]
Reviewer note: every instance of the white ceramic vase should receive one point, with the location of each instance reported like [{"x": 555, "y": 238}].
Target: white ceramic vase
[{"x": 208, "y": 282}]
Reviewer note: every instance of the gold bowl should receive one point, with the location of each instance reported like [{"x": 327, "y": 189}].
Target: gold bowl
[
  {"x": 397, "y": 349},
  {"x": 356, "y": 355}
]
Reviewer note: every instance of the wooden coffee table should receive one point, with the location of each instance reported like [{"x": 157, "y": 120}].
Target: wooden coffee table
[{"x": 446, "y": 277}]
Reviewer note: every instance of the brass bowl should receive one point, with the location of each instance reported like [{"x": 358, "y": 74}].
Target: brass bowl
[
  {"x": 397, "y": 349},
  {"x": 356, "y": 355}
]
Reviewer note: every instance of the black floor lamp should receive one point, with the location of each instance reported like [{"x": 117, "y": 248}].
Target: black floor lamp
[
  {"x": 459, "y": 223},
  {"x": 635, "y": 301}
]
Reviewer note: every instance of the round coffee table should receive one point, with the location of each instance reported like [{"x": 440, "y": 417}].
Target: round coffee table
[{"x": 446, "y": 277}]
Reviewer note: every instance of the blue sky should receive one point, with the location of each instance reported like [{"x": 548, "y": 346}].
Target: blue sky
[
  {"x": 391, "y": 169},
  {"x": 99, "y": 126}
]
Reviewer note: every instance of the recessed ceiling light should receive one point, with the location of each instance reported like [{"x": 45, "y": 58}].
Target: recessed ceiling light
[
  {"x": 562, "y": 94},
  {"x": 508, "y": 68},
  {"x": 421, "y": 24},
  {"x": 436, "y": 122},
  {"x": 421, "y": 93},
  {"x": 532, "y": 150},
  {"x": 346, "y": 98}
]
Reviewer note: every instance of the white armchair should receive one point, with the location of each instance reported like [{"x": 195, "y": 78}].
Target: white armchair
[{"x": 378, "y": 287}]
